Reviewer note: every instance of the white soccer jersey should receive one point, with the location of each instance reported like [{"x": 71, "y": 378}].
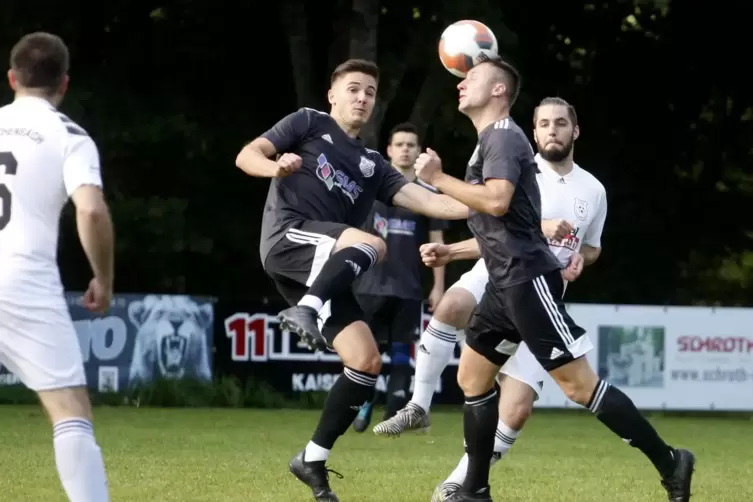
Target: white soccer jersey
[
  {"x": 44, "y": 158},
  {"x": 577, "y": 197}
]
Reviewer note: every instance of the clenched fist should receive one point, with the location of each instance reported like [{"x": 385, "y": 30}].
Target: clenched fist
[
  {"x": 556, "y": 230},
  {"x": 287, "y": 164},
  {"x": 435, "y": 255},
  {"x": 574, "y": 268},
  {"x": 428, "y": 166}
]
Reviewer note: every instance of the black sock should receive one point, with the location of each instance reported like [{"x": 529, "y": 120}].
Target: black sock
[
  {"x": 345, "y": 398},
  {"x": 341, "y": 269},
  {"x": 480, "y": 416},
  {"x": 398, "y": 389},
  {"x": 615, "y": 410}
]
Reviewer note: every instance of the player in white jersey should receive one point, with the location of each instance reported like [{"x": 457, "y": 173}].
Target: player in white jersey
[
  {"x": 574, "y": 207},
  {"x": 45, "y": 158}
]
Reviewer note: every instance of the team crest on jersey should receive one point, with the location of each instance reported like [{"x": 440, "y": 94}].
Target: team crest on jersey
[
  {"x": 581, "y": 209},
  {"x": 367, "y": 167}
]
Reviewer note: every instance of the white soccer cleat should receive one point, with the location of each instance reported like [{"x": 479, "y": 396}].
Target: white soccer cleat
[
  {"x": 411, "y": 418},
  {"x": 444, "y": 491}
]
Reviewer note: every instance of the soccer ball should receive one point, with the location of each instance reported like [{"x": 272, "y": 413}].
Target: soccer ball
[{"x": 465, "y": 44}]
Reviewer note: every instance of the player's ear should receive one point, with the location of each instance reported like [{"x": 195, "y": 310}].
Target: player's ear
[
  {"x": 499, "y": 89},
  {"x": 389, "y": 151},
  {"x": 576, "y": 132},
  {"x": 64, "y": 85},
  {"x": 331, "y": 96},
  {"x": 12, "y": 80}
]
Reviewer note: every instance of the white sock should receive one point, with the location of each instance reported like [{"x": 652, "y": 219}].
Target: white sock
[
  {"x": 434, "y": 353},
  {"x": 503, "y": 441},
  {"x": 312, "y": 301},
  {"x": 315, "y": 453},
  {"x": 79, "y": 461}
]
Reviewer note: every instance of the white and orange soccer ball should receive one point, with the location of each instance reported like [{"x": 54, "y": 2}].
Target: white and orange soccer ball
[{"x": 465, "y": 44}]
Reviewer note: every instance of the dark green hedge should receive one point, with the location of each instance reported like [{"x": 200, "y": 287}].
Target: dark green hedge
[{"x": 223, "y": 392}]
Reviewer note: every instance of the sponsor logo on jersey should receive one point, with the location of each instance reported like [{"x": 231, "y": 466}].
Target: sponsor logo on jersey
[{"x": 334, "y": 178}]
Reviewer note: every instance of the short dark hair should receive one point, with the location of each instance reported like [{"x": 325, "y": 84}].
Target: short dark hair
[
  {"x": 40, "y": 61},
  {"x": 355, "y": 66},
  {"x": 556, "y": 101},
  {"x": 512, "y": 78},
  {"x": 404, "y": 127}
]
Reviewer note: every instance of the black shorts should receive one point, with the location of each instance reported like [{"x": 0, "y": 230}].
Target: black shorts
[
  {"x": 532, "y": 312},
  {"x": 392, "y": 319},
  {"x": 296, "y": 260}
]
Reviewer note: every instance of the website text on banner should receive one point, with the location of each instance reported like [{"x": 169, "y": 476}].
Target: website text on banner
[
  {"x": 678, "y": 358},
  {"x": 673, "y": 358},
  {"x": 141, "y": 337}
]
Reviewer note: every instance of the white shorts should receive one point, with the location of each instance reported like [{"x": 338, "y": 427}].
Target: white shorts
[
  {"x": 39, "y": 345},
  {"x": 522, "y": 366}
]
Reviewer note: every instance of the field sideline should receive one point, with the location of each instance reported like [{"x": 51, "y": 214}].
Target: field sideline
[{"x": 232, "y": 455}]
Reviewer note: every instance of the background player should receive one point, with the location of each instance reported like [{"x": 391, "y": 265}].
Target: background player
[
  {"x": 523, "y": 299},
  {"x": 579, "y": 198},
  {"x": 390, "y": 293},
  {"x": 324, "y": 186},
  {"x": 44, "y": 159}
]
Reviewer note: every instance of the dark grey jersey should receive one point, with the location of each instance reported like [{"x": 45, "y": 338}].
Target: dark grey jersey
[
  {"x": 512, "y": 245},
  {"x": 338, "y": 182}
]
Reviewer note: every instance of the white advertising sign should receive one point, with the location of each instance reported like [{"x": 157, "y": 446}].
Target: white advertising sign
[{"x": 668, "y": 358}]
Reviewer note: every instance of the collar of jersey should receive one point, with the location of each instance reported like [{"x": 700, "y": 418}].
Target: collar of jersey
[
  {"x": 34, "y": 100},
  {"x": 546, "y": 168}
]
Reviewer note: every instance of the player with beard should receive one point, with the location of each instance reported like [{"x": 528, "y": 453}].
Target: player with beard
[
  {"x": 324, "y": 185},
  {"x": 555, "y": 123},
  {"x": 571, "y": 199},
  {"x": 523, "y": 299},
  {"x": 390, "y": 293}
]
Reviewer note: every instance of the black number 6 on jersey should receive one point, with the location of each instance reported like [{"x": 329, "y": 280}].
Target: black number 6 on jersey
[{"x": 8, "y": 166}]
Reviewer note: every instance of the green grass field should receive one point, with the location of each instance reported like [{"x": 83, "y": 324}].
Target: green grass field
[{"x": 241, "y": 455}]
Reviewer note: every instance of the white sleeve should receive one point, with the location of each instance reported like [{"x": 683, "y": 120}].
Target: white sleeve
[
  {"x": 81, "y": 166},
  {"x": 593, "y": 234}
]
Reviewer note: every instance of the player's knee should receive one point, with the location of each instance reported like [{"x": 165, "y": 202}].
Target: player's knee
[
  {"x": 515, "y": 412},
  {"x": 473, "y": 383},
  {"x": 368, "y": 362},
  {"x": 63, "y": 404},
  {"x": 455, "y": 307},
  {"x": 577, "y": 380}
]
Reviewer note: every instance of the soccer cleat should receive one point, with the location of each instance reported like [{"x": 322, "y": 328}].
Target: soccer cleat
[
  {"x": 302, "y": 321},
  {"x": 315, "y": 475},
  {"x": 411, "y": 418},
  {"x": 678, "y": 484},
  {"x": 363, "y": 419},
  {"x": 483, "y": 495},
  {"x": 443, "y": 492}
]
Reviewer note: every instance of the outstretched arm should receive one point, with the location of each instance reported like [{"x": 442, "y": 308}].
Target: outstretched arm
[{"x": 418, "y": 199}]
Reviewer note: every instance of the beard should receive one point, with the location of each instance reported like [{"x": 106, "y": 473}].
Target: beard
[{"x": 556, "y": 154}]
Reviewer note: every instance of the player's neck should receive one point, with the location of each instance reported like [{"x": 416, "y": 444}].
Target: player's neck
[
  {"x": 488, "y": 116},
  {"x": 351, "y": 131},
  {"x": 408, "y": 172},
  {"x": 564, "y": 167},
  {"x": 25, "y": 93}
]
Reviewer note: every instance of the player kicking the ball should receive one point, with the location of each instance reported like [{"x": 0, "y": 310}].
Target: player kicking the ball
[
  {"x": 523, "y": 299},
  {"x": 324, "y": 187},
  {"x": 44, "y": 159}
]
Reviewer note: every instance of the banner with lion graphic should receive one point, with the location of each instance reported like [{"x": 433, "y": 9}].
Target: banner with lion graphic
[{"x": 142, "y": 337}]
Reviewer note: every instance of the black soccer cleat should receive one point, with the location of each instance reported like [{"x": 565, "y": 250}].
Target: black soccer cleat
[
  {"x": 302, "y": 321},
  {"x": 363, "y": 419},
  {"x": 678, "y": 484},
  {"x": 484, "y": 495},
  {"x": 315, "y": 475}
]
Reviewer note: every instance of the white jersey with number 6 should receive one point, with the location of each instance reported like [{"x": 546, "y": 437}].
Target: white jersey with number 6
[{"x": 44, "y": 157}]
